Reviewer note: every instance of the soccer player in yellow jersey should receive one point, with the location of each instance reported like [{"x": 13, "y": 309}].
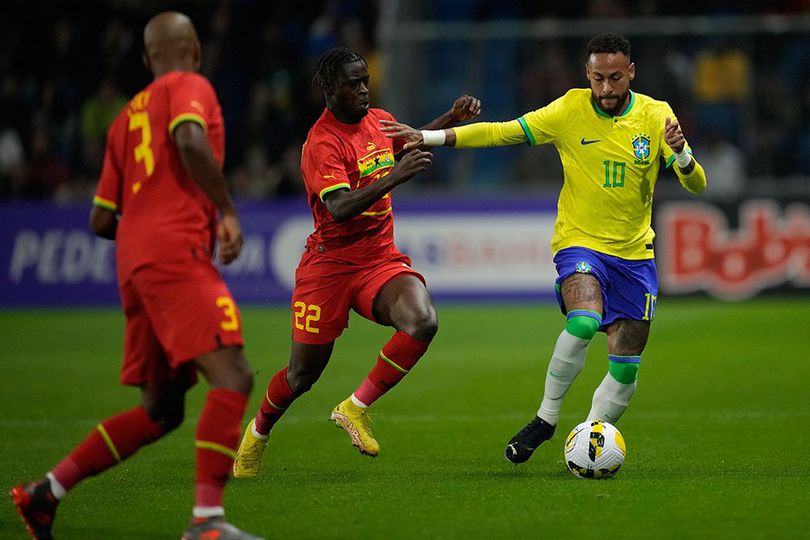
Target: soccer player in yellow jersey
[{"x": 611, "y": 142}]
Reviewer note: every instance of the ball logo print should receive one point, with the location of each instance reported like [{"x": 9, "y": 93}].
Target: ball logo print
[
  {"x": 596, "y": 442},
  {"x": 594, "y": 449}
]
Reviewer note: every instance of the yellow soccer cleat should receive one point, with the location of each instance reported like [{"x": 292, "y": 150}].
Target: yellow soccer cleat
[
  {"x": 248, "y": 458},
  {"x": 356, "y": 422}
]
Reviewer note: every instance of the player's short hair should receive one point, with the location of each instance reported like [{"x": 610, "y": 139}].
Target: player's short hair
[
  {"x": 608, "y": 43},
  {"x": 326, "y": 73}
]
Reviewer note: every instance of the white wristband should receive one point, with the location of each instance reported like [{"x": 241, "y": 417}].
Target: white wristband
[
  {"x": 683, "y": 158},
  {"x": 433, "y": 137}
]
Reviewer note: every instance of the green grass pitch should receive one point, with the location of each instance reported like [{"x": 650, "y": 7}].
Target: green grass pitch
[{"x": 717, "y": 433}]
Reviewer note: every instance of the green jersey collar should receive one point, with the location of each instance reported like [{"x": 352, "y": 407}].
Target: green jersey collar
[{"x": 603, "y": 114}]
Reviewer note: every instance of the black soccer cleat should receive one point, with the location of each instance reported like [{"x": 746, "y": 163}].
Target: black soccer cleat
[
  {"x": 37, "y": 506},
  {"x": 522, "y": 446}
]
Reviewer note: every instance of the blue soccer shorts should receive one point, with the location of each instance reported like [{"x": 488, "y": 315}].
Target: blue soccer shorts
[{"x": 629, "y": 287}]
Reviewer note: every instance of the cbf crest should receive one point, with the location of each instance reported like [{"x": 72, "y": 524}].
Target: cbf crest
[{"x": 641, "y": 148}]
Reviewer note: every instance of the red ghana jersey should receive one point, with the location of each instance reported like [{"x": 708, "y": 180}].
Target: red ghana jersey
[
  {"x": 338, "y": 155},
  {"x": 165, "y": 215}
]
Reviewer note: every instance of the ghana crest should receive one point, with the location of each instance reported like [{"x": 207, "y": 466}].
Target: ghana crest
[{"x": 641, "y": 148}]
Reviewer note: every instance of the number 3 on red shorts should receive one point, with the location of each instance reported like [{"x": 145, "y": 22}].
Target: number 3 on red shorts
[
  {"x": 313, "y": 315},
  {"x": 231, "y": 321}
]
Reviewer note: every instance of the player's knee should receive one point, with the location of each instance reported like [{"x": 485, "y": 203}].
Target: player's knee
[
  {"x": 423, "y": 325},
  {"x": 172, "y": 421},
  {"x": 237, "y": 376},
  {"x": 301, "y": 381},
  {"x": 624, "y": 369},
  {"x": 243, "y": 379},
  {"x": 169, "y": 418},
  {"x": 583, "y": 326},
  {"x": 227, "y": 368}
]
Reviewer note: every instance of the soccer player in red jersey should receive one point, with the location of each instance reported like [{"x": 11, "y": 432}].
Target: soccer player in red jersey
[
  {"x": 350, "y": 261},
  {"x": 162, "y": 176}
]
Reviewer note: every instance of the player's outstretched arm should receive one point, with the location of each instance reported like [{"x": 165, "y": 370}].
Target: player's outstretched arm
[
  {"x": 344, "y": 204},
  {"x": 414, "y": 138},
  {"x": 199, "y": 162},
  {"x": 689, "y": 171},
  {"x": 463, "y": 108},
  {"x": 477, "y": 135}
]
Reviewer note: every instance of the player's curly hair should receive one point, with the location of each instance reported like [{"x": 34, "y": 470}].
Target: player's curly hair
[
  {"x": 326, "y": 73},
  {"x": 608, "y": 43}
]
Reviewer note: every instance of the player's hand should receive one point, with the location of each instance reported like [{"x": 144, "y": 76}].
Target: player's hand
[
  {"x": 465, "y": 108},
  {"x": 411, "y": 164},
  {"x": 673, "y": 135},
  {"x": 397, "y": 130},
  {"x": 229, "y": 238}
]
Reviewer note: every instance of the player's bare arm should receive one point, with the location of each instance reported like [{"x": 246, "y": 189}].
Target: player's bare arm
[
  {"x": 103, "y": 222},
  {"x": 464, "y": 108},
  {"x": 673, "y": 136},
  {"x": 413, "y": 136},
  {"x": 344, "y": 204},
  {"x": 199, "y": 162}
]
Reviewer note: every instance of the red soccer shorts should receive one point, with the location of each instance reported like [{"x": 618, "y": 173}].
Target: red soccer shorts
[
  {"x": 176, "y": 311},
  {"x": 326, "y": 289}
]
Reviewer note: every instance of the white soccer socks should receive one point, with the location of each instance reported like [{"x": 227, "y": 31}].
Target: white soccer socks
[
  {"x": 566, "y": 363},
  {"x": 611, "y": 399}
]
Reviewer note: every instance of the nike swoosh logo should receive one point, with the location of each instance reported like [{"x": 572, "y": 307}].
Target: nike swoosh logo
[{"x": 583, "y": 142}]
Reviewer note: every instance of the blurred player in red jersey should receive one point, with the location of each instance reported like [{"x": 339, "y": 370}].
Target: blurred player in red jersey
[
  {"x": 350, "y": 261},
  {"x": 162, "y": 176}
]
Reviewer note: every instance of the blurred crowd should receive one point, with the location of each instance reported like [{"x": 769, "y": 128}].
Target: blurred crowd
[{"x": 66, "y": 72}]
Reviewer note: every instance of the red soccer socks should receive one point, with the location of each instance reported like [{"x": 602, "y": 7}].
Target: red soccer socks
[
  {"x": 278, "y": 397},
  {"x": 395, "y": 360},
  {"x": 112, "y": 441},
  {"x": 216, "y": 441}
]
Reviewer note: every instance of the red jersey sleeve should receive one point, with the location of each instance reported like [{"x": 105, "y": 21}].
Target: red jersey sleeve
[
  {"x": 322, "y": 167},
  {"x": 110, "y": 186},
  {"x": 193, "y": 99}
]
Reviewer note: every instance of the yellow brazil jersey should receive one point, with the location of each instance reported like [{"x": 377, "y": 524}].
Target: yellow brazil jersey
[{"x": 610, "y": 167}]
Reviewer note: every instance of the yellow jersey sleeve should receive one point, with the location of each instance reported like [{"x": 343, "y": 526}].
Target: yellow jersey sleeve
[
  {"x": 540, "y": 126},
  {"x": 489, "y": 134},
  {"x": 695, "y": 181},
  {"x": 545, "y": 125}
]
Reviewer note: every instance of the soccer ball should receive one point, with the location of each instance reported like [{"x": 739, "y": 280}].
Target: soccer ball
[{"x": 594, "y": 449}]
